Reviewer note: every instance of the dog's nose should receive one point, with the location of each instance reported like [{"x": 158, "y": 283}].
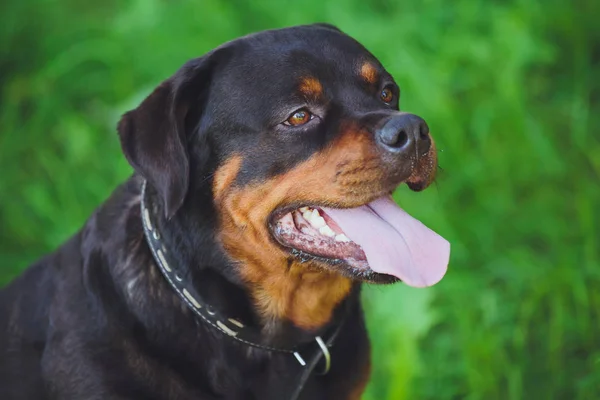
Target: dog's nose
[{"x": 404, "y": 134}]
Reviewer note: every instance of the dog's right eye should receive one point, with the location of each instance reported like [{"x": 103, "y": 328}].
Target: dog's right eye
[
  {"x": 299, "y": 117},
  {"x": 387, "y": 94}
]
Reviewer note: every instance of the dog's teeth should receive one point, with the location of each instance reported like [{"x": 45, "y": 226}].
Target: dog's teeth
[
  {"x": 303, "y": 209},
  {"x": 326, "y": 231},
  {"x": 342, "y": 238},
  {"x": 307, "y": 215},
  {"x": 318, "y": 222}
]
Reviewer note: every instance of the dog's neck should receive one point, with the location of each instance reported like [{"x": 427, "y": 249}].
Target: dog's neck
[
  {"x": 150, "y": 320},
  {"x": 312, "y": 300}
]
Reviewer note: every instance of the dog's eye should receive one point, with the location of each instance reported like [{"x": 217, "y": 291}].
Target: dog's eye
[
  {"x": 299, "y": 117},
  {"x": 387, "y": 94}
]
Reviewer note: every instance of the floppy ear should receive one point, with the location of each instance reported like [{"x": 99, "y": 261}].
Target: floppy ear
[{"x": 154, "y": 135}]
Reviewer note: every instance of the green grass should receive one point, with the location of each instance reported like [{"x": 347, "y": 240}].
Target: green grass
[{"x": 511, "y": 91}]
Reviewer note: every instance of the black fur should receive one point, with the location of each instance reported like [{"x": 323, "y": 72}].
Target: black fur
[{"x": 96, "y": 320}]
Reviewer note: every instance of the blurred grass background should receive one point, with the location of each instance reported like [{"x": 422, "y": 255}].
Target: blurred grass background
[{"x": 511, "y": 91}]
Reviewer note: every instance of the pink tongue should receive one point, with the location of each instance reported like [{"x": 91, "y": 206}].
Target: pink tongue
[{"x": 394, "y": 242}]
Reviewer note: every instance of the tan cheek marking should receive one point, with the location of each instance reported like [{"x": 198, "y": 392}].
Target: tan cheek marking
[
  {"x": 306, "y": 296},
  {"x": 311, "y": 88},
  {"x": 368, "y": 72},
  {"x": 225, "y": 175}
]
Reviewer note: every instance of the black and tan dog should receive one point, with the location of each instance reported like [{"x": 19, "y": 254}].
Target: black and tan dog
[{"x": 229, "y": 266}]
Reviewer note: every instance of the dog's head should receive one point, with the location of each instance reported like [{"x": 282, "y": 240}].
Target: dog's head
[{"x": 297, "y": 136}]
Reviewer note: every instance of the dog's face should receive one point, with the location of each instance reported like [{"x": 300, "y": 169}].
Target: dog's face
[{"x": 300, "y": 133}]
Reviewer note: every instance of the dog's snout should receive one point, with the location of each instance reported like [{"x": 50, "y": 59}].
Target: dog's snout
[{"x": 403, "y": 134}]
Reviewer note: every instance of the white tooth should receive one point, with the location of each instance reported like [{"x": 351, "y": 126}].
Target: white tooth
[
  {"x": 303, "y": 209},
  {"x": 307, "y": 215},
  {"x": 326, "y": 231},
  {"x": 342, "y": 238},
  {"x": 318, "y": 222},
  {"x": 315, "y": 213}
]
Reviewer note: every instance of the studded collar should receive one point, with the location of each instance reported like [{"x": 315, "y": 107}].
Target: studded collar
[{"x": 230, "y": 327}]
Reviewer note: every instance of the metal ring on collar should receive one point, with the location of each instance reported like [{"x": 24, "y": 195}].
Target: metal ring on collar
[{"x": 326, "y": 354}]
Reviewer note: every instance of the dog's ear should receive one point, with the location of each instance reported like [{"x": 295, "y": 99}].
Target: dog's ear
[{"x": 154, "y": 135}]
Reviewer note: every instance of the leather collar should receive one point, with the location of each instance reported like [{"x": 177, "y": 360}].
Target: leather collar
[{"x": 232, "y": 328}]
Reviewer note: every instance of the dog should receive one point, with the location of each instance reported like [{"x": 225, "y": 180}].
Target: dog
[{"x": 229, "y": 265}]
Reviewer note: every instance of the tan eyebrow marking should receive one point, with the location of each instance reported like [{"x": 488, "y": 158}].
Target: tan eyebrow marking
[
  {"x": 368, "y": 72},
  {"x": 310, "y": 87}
]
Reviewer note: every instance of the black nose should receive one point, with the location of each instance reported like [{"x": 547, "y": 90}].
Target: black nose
[{"x": 404, "y": 133}]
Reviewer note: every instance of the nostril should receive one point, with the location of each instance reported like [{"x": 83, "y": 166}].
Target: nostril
[
  {"x": 423, "y": 139},
  {"x": 401, "y": 139},
  {"x": 404, "y": 133},
  {"x": 394, "y": 137},
  {"x": 423, "y": 132}
]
